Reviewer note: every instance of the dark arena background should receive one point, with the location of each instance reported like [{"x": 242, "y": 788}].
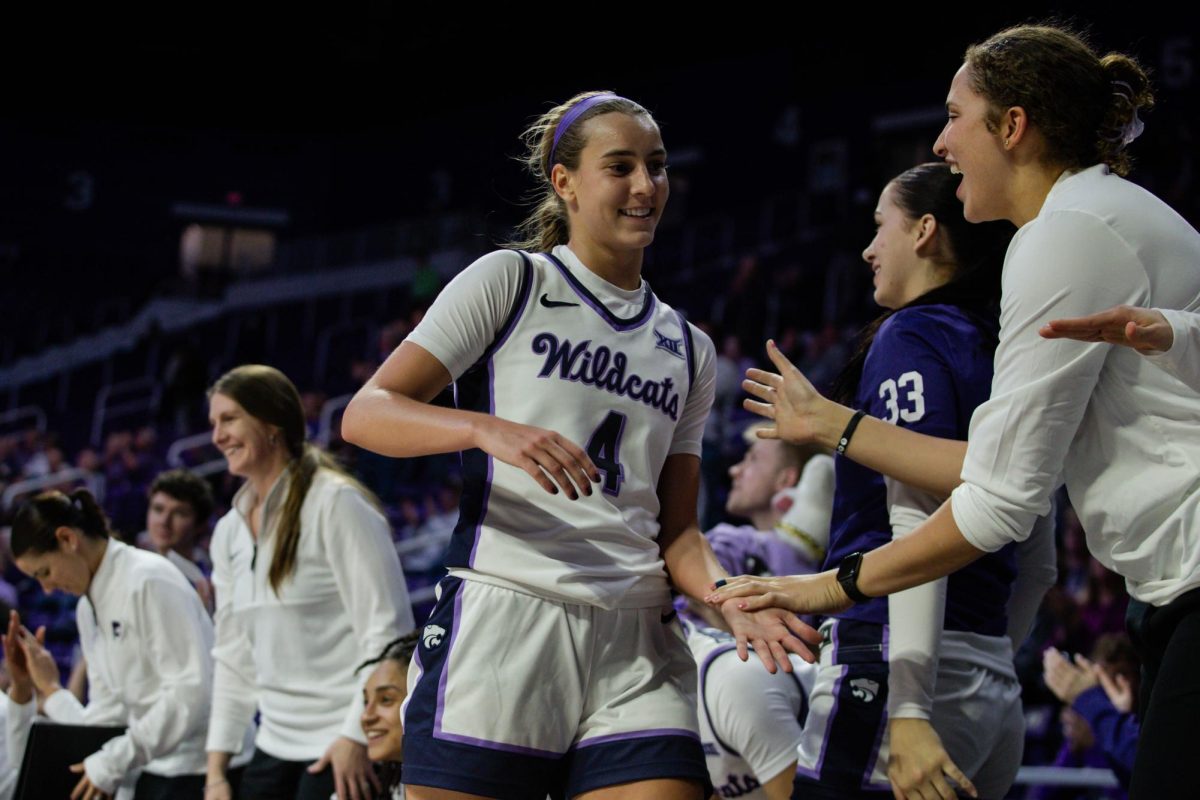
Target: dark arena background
[{"x": 183, "y": 194}]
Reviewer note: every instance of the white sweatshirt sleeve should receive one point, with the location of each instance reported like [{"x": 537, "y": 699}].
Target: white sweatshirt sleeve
[
  {"x": 1064, "y": 264},
  {"x": 358, "y": 544},
  {"x": 1183, "y": 359},
  {"x": 169, "y": 617},
  {"x": 234, "y": 696}
]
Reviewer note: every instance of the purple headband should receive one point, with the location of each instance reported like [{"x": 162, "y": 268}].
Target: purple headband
[{"x": 575, "y": 113}]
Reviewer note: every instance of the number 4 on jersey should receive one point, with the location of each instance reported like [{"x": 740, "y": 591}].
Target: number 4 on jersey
[{"x": 604, "y": 448}]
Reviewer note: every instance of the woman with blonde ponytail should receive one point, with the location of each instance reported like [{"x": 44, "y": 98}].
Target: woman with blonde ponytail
[
  {"x": 552, "y": 662},
  {"x": 307, "y": 585}
]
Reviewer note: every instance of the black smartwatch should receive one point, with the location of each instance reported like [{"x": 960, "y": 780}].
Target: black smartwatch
[{"x": 847, "y": 577}]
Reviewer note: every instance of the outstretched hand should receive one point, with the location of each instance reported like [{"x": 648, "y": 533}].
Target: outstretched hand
[
  {"x": 773, "y": 633},
  {"x": 799, "y": 594},
  {"x": 787, "y": 398},
  {"x": 1144, "y": 329}
]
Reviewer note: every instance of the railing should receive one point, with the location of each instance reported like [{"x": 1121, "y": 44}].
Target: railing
[
  {"x": 325, "y": 422},
  {"x": 25, "y": 412},
  {"x": 136, "y": 403}
]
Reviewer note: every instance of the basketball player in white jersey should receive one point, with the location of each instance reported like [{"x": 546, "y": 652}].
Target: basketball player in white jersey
[{"x": 552, "y": 662}]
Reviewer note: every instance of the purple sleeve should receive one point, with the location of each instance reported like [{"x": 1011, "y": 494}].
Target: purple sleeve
[{"x": 1116, "y": 733}]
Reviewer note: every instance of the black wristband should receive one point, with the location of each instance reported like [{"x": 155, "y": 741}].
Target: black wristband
[
  {"x": 844, "y": 442},
  {"x": 847, "y": 577}
]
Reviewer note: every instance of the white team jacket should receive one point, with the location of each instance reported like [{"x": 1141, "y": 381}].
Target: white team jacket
[
  {"x": 293, "y": 655},
  {"x": 146, "y": 636}
]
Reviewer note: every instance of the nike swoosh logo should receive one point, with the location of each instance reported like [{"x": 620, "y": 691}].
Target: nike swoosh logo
[{"x": 548, "y": 303}]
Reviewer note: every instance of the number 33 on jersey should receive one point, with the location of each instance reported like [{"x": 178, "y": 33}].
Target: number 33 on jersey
[{"x": 904, "y": 398}]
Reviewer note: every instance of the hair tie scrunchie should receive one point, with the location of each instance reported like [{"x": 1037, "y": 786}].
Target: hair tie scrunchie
[
  {"x": 1134, "y": 127},
  {"x": 568, "y": 119}
]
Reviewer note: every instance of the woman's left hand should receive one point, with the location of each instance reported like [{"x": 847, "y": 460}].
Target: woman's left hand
[
  {"x": 772, "y": 632},
  {"x": 85, "y": 789},
  {"x": 353, "y": 776},
  {"x": 800, "y": 594},
  {"x": 42, "y": 668}
]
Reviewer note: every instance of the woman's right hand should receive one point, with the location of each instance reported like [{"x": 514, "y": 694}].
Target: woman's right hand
[
  {"x": 800, "y": 413},
  {"x": 548, "y": 457}
]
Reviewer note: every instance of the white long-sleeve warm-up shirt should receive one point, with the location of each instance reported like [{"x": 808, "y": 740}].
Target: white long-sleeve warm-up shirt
[
  {"x": 1121, "y": 433},
  {"x": 293, "y": 655}
]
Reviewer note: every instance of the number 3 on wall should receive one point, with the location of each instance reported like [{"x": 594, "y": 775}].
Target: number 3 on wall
[
  {"x": 604, "y": 448},
  {"x": 914, "y": 397}
]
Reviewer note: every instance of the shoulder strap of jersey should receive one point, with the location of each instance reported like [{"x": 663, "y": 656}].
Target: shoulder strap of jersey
[
  {"x": 518, "y": 308},
  {"x": 689, "y": 347}
]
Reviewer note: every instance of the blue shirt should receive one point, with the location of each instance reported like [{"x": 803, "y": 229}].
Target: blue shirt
[{"x": 928, "y": 368}]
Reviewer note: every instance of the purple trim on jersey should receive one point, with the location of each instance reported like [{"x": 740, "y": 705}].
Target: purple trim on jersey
[
  {"x": 646, "y": 734},
  {"x": 518, "y": 310},
  {"x": 487, "y": 481},
  {"x": 615, "y": 322},
  {"x": 506, "y": 331},
  {"x": 815, "y": 773},
  {"x": 704, "y": 665},
  {"x": 416, "y": 659},
  {"x": 833, "y": 637},
  {"x": 687, "y": 347},
  {"x": 867, "y": 783},
  {"x": 501, "y": 746},
  {"x": 455, "y": 619}
]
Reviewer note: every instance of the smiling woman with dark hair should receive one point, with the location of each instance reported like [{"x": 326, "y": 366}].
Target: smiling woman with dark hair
[{"x": 146, "y": 638}]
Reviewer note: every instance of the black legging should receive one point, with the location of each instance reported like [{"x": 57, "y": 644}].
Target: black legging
[{"x": 1168, "y": 640}]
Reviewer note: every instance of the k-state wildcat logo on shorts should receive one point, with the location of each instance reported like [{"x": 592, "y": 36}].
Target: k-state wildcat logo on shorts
[
  {"x": 864, "y": 689},
  {"x": 432, "y": 636}
]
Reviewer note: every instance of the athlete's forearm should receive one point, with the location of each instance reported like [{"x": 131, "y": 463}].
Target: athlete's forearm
[
  {"x": 691, "y": 566},
  {"x": 929, "y": 463},
  {"x": 391, "y": 414},
  {"x": 392, "y": 424},
  {"x": 933, "y": 550}
]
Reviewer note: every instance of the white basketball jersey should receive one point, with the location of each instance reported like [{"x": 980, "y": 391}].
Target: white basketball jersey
[{"x": 617, "y": 388}]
